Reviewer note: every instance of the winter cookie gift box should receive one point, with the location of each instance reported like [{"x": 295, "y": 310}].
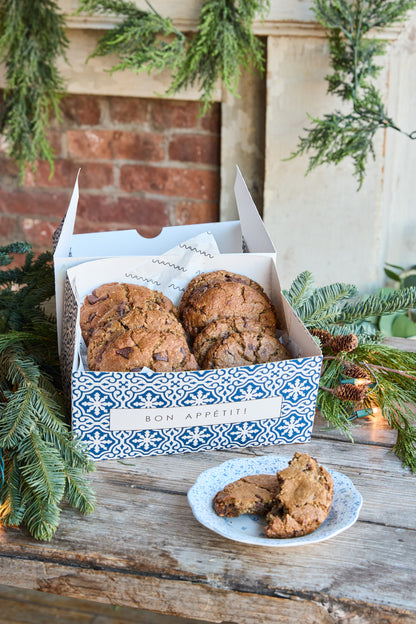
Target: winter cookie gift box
[{"x": 131, "y": 414}]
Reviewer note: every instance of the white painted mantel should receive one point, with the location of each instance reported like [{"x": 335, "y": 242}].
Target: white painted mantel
[{"x": 319, "y": 222}]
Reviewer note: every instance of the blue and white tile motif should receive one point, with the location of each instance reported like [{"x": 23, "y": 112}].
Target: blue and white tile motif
[{"x": 94, "y": 394}]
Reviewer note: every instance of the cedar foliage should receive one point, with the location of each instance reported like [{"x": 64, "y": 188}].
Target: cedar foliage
[
  {"x": 224, "y": 42},
  {"x": 32, "y": 38},
  {"x": 353, "y": 51},
  {"x": 143, "y": 40},
  {"x": 337, "y": 310},
  {"x": 43, "y": 462}
]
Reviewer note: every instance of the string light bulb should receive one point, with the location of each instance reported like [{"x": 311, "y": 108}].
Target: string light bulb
[{"x": 356, "y": 381}]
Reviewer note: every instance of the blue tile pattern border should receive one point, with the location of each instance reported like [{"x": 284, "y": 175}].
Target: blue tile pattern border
[{"x": 95, "y": 393}]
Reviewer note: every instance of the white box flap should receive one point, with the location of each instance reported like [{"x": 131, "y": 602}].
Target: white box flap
[
  {"x": 73, "y": 249},
  {"x": 255, "y": 234}
]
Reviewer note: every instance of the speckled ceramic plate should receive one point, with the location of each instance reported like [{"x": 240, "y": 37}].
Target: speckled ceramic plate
[{"x": 249, "y": 529}]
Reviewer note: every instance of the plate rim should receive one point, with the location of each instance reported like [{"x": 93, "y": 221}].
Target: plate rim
[{"x": 304, "y": 540}]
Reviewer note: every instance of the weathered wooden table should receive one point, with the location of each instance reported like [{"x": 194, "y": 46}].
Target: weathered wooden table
[{"x": 143, "y": 548}]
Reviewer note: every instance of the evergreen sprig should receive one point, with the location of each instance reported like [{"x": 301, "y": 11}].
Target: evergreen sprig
[
  {"x": 143, "y": 40},
  {"x": 32, "y": 37},
  {"x": 43, "y": 462},
  {"x": 351, "y": 132},
  {"x": 337, "y": 307},
  {"x": 224, "y": 42},
  {"x": 338, "y": 310},
  {"x": 393, "y": 374},
  {"x": 376, "y": 305}
]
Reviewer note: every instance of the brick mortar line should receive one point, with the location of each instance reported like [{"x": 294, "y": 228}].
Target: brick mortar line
[
  {"x": 169, "y": 164},
  {"x": 132, "y": 128}
]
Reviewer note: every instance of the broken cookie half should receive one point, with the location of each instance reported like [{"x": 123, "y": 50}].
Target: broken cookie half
[{"x": 254, "y": 494}]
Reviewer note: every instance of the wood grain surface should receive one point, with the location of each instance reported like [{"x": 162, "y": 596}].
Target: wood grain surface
[{"x": 143, "y": 548}]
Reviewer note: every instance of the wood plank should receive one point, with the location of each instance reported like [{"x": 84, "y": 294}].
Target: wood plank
[
  {"x": 143, "y": 548},
  {"x": 403, "y": 344},
  {"x": 35, "y": 607},
  {"x": 367, "y": 430},
  {"x": 214, "y": 604},
  {"x": 144, "y": 528}
]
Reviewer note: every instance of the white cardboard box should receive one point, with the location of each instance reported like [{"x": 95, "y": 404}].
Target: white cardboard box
[{"x": 144, "y": 413}]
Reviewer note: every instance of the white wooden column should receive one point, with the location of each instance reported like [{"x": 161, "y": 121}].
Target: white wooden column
[
  {"x": 400, "y": 152},
  {"x": 319, "y": 222},
  {"x": 242, "y": 141}
]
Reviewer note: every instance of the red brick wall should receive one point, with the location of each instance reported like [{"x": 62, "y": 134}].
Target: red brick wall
[{"x": 145, "y": 164}]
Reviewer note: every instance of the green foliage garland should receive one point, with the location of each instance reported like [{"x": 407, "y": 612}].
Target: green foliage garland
[
  {"x": 390, "y": 374},
  {"x": 43, "y": 462},
  {"x": 223, "y": 43},
  {"x": 352, "y": 55},
  {"x": 32, "y": 38},
  {"x": 143, "y": 40}
]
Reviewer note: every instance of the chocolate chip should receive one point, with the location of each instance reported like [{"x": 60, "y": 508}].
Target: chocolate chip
[
  {"x": 94, "y": 299},
  {"x": 125, "y": 352},
  {"x": 161, "y": 356},
  {"x": 91, "y": 316}
]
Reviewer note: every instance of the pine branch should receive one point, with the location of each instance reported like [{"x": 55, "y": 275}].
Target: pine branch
[
  {"x": 50, "y": 460},
  {"x": 393, "y": 389},
  {"x": 339, "y": 320},
  {"x": 32, "y": 37},
  {"x": 301, "y": 290},
  {"x": 6, "y": 252},
  {"x": 41, "y": 515},
  {"x": 78, "y": 492},
  {"x": 376, "y": 305},
  {"x": 337, "y": 309},
  {"x": 366, "y": 331},
  {"x": 42, "y": 467},
  {"x": 44, "y": 462},
  {"x": 12, "y": 509},
  {"x": 322, "y": 306},
  {"x": 351, "y": 134}
]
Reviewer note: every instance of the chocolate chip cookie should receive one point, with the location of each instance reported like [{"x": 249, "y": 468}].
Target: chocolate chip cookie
[
  {"x": 113, "y": 300},
  {"x": 147, "y": 318},
  {"x": 225, "y": 299},
  {"x": 205, "y": 280},
  {"x": 236, "y": 341},
  {"x": 222, "y": 328},
  {"x": 253, "y": 494},
  {"x": 161, "y": 351},
  {"x": 295, "y": 501},
  {"x": 243, "y": 349},
  {"x": 303, "y": 500}
]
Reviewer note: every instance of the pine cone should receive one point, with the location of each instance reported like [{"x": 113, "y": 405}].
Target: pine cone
[
  {"x": 349, "y": 392},
  {"x": 355, "y": 371},
  {"x": 324, "y": 336},
  {"x": 344, "y": 343}
]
